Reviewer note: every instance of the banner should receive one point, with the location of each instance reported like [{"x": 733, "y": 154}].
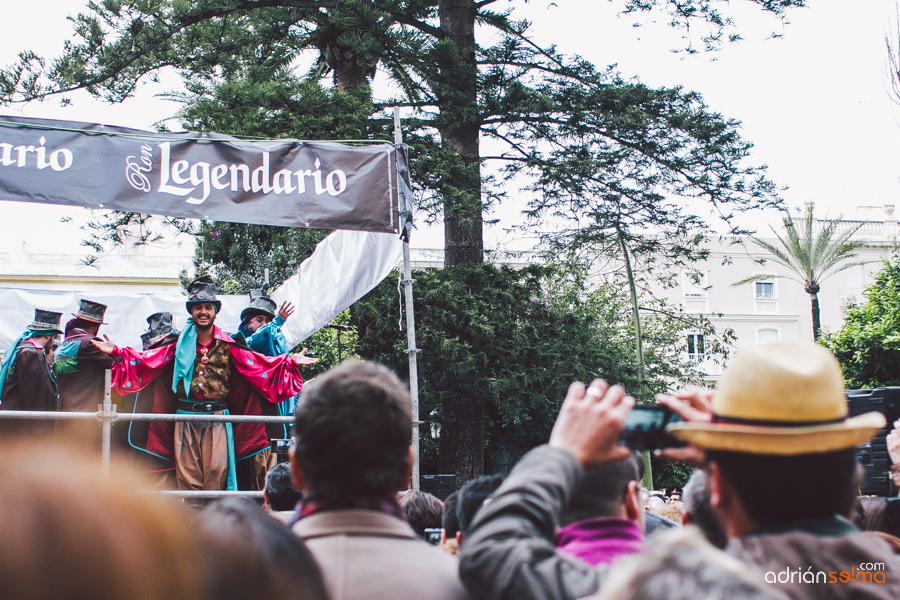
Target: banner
[
  {"x": 344, "y": 267},
  {"x": 324, "y": 185}
]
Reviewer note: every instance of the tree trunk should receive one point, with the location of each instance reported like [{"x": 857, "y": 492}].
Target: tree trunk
[
  {"x": 348, "y": 76},
  {"x": 813, "y": 291},
  {"x": 814, "y": 300},
  {"x": 459, "y": 124},
  {"x": 462, "y": 449}
]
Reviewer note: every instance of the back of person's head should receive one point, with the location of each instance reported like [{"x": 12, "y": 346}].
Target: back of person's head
[
  {"x": 280, "y": 491},
  {"x": 603, "y": 489},
  {"x": 353, "y": 434},
  {"x": 87, "y": 326},
  {"x": 775, "y": 490},
  {"x": 470, "y": 498},
  {"x": 423, "y": 511},
  {"x": 699, "y": 512},
  {"x": 69, "y": 532},
  {"x": 450, "y": 520},
  {"x": 252, "y": 555},
  {"x": 681, "y": 565}
]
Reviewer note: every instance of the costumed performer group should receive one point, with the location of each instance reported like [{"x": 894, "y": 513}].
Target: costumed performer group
[{"x": 201, "y": 370}]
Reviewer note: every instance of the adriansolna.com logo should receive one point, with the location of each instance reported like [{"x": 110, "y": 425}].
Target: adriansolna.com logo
[{"x": 864, "y": 573}]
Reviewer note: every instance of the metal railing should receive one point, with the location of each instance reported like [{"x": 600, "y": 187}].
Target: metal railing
[{"x": 108, "y": 414}]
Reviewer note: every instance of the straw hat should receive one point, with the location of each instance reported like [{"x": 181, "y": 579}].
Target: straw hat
[{"x": 782, "y": 399}]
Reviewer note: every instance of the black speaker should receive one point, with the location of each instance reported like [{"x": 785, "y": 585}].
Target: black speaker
[
  {"x": 439, "y": 485},
  {"x": 873, "y": 455}
]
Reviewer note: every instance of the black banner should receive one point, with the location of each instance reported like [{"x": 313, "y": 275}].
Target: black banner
[{"x": 326, "y": 185}]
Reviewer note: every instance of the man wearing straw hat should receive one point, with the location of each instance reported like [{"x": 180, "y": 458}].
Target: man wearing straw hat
[
  {"x": 25, "y": 379},
  {"x": 779, "y": 453}
]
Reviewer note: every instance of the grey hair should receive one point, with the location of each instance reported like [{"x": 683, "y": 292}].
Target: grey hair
[{"x": 682, "y": 565}]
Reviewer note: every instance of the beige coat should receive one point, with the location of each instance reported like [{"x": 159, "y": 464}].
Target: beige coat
[{"x": 368, "y": 555}]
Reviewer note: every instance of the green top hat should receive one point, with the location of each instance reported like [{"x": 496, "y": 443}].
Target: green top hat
[
  {"x": 91, "y": 311},
  {"x": 202, "y": 289},
  {"x": 161, "y": 331},
  {"x": 46, "y": 320},
  {"x": 260, "y": 304}
]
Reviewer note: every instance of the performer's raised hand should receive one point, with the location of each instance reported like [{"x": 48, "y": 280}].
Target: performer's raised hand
[
  {"x": 285, "y": 310},
  {"x": 301, "y": 359},
  {"x": 106, "y": 347}
]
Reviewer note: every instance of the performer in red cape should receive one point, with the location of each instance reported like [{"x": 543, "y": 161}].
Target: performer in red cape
[{"x": 211, "y": 374}]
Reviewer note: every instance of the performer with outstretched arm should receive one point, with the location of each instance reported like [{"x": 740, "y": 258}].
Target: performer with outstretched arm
[
  {"x": 211, "y": 374},
  {"x": 261, "y": 330}
]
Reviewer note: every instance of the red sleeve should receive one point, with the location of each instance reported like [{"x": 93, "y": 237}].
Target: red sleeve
[
  {"x": 276, "y": 378},
  {"x": 132, "y": 371}
]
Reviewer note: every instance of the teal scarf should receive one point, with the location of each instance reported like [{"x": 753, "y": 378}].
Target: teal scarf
[
  {"x": 185, "y": 354},
  {"x": 9, "y": 360}
]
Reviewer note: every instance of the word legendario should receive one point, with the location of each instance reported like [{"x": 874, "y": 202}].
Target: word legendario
[{"x": 182, "y": 178}]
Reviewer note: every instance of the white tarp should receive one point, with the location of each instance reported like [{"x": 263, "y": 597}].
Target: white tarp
[{"x": 344, "y": 267}]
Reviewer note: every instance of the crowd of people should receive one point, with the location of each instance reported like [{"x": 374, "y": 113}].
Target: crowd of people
[{"x": 771, "y": 512}]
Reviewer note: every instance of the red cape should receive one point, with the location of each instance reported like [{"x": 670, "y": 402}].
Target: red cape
[{"x": 255, "y": 378}]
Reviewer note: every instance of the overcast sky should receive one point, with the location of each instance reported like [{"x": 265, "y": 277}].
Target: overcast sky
[{"x": 815, "y": 101}]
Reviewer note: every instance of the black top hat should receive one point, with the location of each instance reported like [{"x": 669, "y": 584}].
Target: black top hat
[
  {"x": 161, "y": 331},
  {"x": 46, "y": 320},
  {"x": 202, "y": 289},
  {"x": 260, "y": 304},
  {"x": 91, "y": 311}
]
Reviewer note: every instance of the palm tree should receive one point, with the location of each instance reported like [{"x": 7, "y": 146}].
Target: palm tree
[{"x": 810, "y": 256}]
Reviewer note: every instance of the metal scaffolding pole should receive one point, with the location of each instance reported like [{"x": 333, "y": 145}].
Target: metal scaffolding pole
[{"x": 408, "y": 281}]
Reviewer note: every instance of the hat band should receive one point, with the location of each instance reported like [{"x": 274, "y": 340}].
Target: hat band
[{"x": 764, "y": 423}]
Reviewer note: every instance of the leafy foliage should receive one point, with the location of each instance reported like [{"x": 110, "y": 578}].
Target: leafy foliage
[
  {"x": 499, "y": 350},
  {"x": 237, "y": 255},
  {"x": 868, "y": 345}
]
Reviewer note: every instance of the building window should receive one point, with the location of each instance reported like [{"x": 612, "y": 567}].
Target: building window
[
  {"x": 696, "y": 347},
  {"x": 695, "y": 284},
  {"x": 765, "y": 290},
  {"x": 766, "y": 336}
]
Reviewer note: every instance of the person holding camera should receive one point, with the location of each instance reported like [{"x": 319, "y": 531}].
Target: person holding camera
[{"x": 778, "y": 449}]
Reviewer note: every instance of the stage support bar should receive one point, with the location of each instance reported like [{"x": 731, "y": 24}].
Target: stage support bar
[{"x": 406, "y": 216}]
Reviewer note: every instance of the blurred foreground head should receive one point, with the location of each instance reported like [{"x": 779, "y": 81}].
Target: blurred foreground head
[
  {"x": 353, "y": 432},
  {"x": 681, "y": 565},
  {"x": 256, "y": 556},
  {"x": 69, "y": 533}
]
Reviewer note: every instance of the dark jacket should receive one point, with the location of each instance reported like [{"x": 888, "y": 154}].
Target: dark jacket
[
  {"x": 510, "y": 552},
  {"x": 80, "y": 368},
  {"x": 29, "y": 387}
]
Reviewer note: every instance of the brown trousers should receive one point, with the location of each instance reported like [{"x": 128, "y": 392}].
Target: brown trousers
[{"x": 201, "y": 458}]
